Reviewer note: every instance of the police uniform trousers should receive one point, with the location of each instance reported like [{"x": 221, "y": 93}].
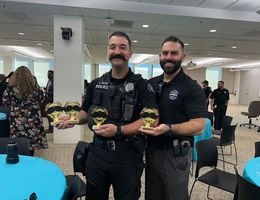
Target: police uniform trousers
[
  {"x": 166, "y": 176},
  {"x": 219, "y": 114},
  {"x": 121, "y": 167}
]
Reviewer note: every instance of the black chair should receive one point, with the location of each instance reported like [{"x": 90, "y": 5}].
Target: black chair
[
  {"x": 73, "y": 186},
  {"x": 208, "y": 157},
  {"x": 227, "y": 138},
  {"x": 246, "y": 190},
  {"x": 257, "y": 149},
  {"x": 79, "y": 163},
  {"x": 253, "y": 112},
  {"x": 23, "y": 146},
  {"x": 226, "y": 122}
]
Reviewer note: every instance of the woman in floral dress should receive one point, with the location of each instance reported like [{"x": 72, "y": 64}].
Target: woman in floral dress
[{"x": 23, "y": 97}]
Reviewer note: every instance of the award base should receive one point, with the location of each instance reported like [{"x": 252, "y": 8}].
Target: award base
[
  {"x": 95, "y": 127},
  {"x": 74, "y": 121},
  {"x": 56, "y": 123},
  {"x": 146, "y": 128}
]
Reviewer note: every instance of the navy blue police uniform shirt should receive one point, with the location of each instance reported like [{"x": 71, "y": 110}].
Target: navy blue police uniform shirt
[
  {"x": 145, "y": 94},
  {"x": 179, "y": 100},
  {"x": 220, "y": 96},
  {"x": 207, "y": 91}
]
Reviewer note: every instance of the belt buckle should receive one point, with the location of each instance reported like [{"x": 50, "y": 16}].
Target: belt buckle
[{"x": 111, "y": 145}]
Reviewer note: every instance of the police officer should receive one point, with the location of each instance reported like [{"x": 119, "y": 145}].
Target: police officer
[
  {"x": 219, "y": 102},
  {"x": 116, "y": 155},
  {"x": 182, "y": 108},
  {"x": 207, "y": 91}
]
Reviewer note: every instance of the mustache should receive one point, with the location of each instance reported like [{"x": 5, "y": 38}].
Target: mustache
[{"x": 115, "y": 56}]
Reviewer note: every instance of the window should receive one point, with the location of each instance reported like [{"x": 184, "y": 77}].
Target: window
[
  {"x": 144, "y": 69},
  {"x": 1, "y": 65},
  {"x": 41, "y": 70},
  {"x": 88, "y": 72},
  {"x": 103, "y": 68},
  {"x": 21, "y": 61},
  {"x": 213, "y": 75},
  {"x": 157, "y": 70}
]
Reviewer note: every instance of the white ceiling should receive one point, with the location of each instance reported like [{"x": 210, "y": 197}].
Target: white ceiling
[{"x": 236, "y": 22}]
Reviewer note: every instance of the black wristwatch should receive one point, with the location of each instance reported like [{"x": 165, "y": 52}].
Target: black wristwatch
[{"x": 118, "y": 133}]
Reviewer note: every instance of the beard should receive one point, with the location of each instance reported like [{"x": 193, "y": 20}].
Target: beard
[{"x": 172, "y": 69}]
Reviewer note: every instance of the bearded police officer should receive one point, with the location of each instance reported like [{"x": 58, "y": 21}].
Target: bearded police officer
[
  {"x": 219, "y": 102},
  {"x": 116, "y": 155},
  {"x": 182, "y": 107}
]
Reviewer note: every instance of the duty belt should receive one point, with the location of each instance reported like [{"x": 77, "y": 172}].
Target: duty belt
[
  {"x": 180, "y": 148},
  {"x": 111, "y": 145}
]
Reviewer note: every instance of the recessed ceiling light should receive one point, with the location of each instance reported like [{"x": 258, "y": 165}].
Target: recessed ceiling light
[
  {"x": 186, "y": 44},
  {"x": 20, "y": 33},
  {"x": 51, "y": 51},
  {"x": 213, "y": 31},
  {"x": 209, "y": 54},
  {"x": 135, "y": 41},
  {"x": 40, "y": 44},
  {"x": 145, "y": 26},
  {"x": 234, "y": 47}
]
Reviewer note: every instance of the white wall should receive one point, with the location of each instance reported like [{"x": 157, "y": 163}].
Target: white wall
[
  {"x": 249, "y": 86},
  {"x": 196, "y": 74}
]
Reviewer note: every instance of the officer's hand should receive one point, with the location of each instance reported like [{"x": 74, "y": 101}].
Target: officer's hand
[
  {"x": 159, "y": 130},
  {"x": 65, "y": 123},
  {"x": 106, "y": 130}
]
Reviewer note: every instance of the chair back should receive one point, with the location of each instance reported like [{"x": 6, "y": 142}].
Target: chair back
[
  {"x": 210, "y": 117},
  {"x": 79, "y": 157},
  {"x": 257, "y": 149},
  {"x": 227, "y": 121},
  {"x": 73, "y": 185},
  {"x": 245, "y": 189},
  {"x": 228, "y": 135},
  {"x": 23, "y": 146},
  {"x": 207, "y": 155},
  {"x": 254, "y": 109}
]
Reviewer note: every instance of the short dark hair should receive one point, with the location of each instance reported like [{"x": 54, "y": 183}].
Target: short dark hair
[
  {"x": 173, "y": 39},
  {"x": 121, "y": 34},
  {"x": 50, "y": 71},
  {"x": 221, "y": 82}
]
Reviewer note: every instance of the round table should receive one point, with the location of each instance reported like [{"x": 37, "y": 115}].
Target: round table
[
  {"x": 31, "y": 174},
  {"x": 207, "y": 134},
  {"x": 252, "y": 171}
]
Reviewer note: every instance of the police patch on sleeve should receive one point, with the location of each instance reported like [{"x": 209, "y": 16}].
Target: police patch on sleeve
[{"x": 150, "y": 88}]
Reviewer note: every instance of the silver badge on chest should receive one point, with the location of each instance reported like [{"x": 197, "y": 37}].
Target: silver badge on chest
[
  {"x": 129, "y": 87},
  {"x": 173, "y": 95}
]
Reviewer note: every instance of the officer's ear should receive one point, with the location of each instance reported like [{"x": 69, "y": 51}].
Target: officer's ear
[{"x": 183, "y": 57}]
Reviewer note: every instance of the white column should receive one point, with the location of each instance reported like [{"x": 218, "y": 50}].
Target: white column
[
  {"x": 68, "y": 71},
  {"x": 8, "y": 61}
]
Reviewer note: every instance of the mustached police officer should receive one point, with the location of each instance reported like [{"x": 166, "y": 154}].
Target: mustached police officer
[
  {"x": 116, "y": 155},
  {"x": 182, "y": 107}
]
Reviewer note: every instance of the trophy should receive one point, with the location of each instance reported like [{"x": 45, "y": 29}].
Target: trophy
[
  {"x": 99, "y": 115},
  {"x": 54, "y": 110},
  {"x": 149, "y": 116},
  {"x": 72, "y": 109}
]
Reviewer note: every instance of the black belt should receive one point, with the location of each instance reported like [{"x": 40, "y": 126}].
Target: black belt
[
  {"x": 111, "y": 145},
  {"x": 180, "y": 148}
]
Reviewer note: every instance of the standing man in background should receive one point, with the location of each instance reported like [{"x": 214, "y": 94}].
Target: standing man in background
[
  {"x": 207, "y": 91},
  {"x": 49, "y": 95},
  {"x": 219, "y": 103},
  {"x": 182, "y": 109}
]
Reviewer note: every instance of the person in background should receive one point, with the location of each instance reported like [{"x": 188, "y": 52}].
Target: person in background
[
  {"x": 182, "y": 109},
  {"x": 219, "y": 103},
  {"x": 49, "y": 96},
  {"x": 23, "y": 97},
  {"x": 3, "y": 84},
  {"x": 207, "y": 91}
]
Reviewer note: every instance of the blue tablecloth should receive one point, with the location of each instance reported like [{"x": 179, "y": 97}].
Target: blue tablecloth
[
  {"x": 31, "y": 174},
  {"x": 207, "y": 133},
  {"x": 2, "y": 116},
  {"x": 252, "y": 171}
]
